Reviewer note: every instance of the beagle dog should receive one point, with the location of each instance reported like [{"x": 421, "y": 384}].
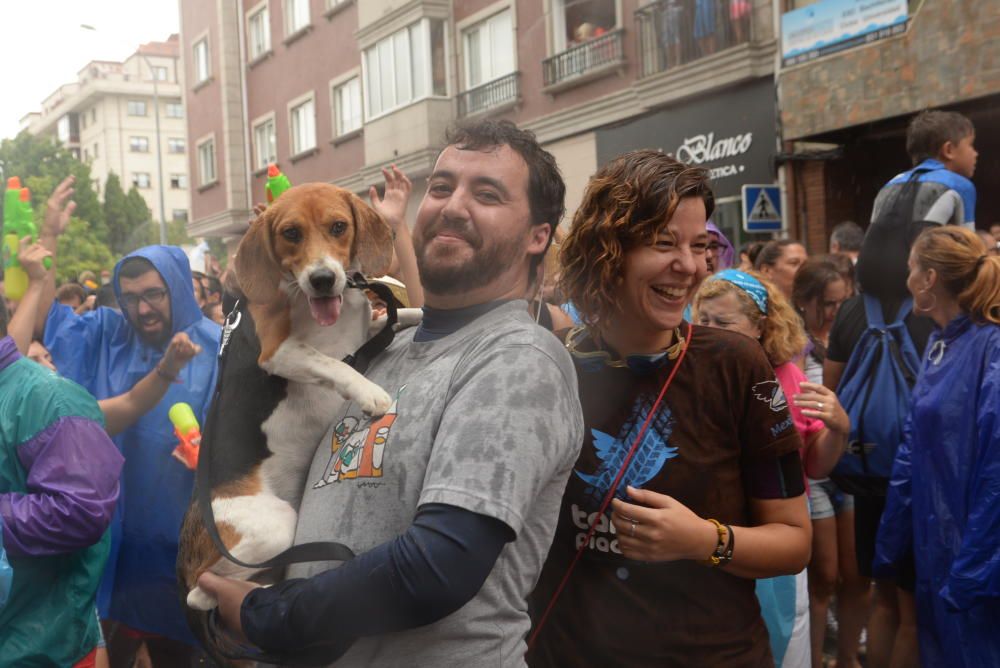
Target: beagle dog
[{"x": 292, "y": 267}]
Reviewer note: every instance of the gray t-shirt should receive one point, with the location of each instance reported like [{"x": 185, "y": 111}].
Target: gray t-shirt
[{"x": 487, "y": 419}]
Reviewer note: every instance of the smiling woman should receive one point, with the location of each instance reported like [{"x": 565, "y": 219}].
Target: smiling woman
[{"x": 683, "y": 429}]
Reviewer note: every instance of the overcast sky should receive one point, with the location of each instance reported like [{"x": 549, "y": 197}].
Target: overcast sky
[{"x": 42, "y": 45}]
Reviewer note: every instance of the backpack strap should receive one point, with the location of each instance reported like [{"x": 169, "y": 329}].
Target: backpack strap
[{"x": 873, "y": 311}]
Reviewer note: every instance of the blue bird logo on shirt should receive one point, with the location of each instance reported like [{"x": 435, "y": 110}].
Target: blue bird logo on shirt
[{"x": 650, "y": 456}]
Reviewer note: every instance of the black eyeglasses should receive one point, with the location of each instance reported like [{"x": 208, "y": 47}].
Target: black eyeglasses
[{"x": 154, "y": 297}]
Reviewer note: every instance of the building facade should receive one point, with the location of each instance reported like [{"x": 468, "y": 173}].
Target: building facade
[
  {"x": 844, "y": 114},
  {"x": 107, "y": 118},
  {"x": 334, "y": 90}
]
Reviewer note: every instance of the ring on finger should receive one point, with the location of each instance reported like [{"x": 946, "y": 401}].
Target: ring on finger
[
  {"x": 819, "y": 405},
  {"x": 632, "y": 530}
]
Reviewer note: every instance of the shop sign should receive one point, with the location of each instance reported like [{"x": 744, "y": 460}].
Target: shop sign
[
  {"x": 828, "y": 26},
  {"x": 731, "y": 134}
]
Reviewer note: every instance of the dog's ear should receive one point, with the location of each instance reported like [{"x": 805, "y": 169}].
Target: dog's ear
[
  {"x": 372, "y": 239},
  {"x": 257, "y": 270}
]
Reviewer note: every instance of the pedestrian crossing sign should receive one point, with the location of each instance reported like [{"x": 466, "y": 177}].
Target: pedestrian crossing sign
[{"x": 762, "y": 208}]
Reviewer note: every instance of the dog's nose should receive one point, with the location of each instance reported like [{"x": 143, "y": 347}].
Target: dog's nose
[{"x": 322, "y": 280}]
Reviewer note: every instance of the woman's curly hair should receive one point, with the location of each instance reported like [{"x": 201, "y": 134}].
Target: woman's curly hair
[
  {"x": 782, "y": 335},
  {"x": 626, "y": 204}
]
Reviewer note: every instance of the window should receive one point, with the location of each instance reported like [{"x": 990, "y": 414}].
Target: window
[
  {"x": 175, "y": 110},
  {"x": 180, "y": 214},
  {"x": 136, "y": 108},
  {"x": 405, "y": 67},
  {"x": 206, "y": 162},
  {"x": 159, "y": 73},
  {"x": 96, "y": 152},
  {"x": 141, "y": 180},
  {"x": 93, "y": 115},
  {"x": 201, "y": 65},
  {"x": 176, "y": 145},
  {"x": 259, "y": 29},
  {"x": 138, "y": 144},
  {"x": 264, "y": 144},
  {"x": 303, "y": 125},
  {"x": 86, "y": 155},
  {"x": 296, "y": 16},
  {"x": 83, "y": 121},
  {"x": 347, "y": 106},
  {"x": 577, "y": 21},
  {"x": 178, "y": 181},
  {"x": 489, "y": 49}
]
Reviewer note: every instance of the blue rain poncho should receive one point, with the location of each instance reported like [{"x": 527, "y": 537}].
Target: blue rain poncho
[
  {"x": 101, "y": 351},
  {"x": 944, "y": 498}
]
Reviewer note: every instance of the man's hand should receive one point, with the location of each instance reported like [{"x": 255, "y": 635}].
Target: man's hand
[
  {"x": 59, "y": 209},
  {"x": 230, "y": 594},
  {"x": 180, "y": 351},
  {"x": 32, "y": 258},
  {"x": 392, "y": 206},
  {"x": 89, "y": 304}
]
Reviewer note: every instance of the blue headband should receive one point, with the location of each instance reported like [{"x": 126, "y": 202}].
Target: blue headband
[{"x": 748, "y": 284}]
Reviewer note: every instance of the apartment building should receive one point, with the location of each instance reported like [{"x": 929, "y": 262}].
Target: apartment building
[
  {"x": 333, "y": 90},
  {"x": 108, "y": 119},
  {"x": 845, "y": 106}
]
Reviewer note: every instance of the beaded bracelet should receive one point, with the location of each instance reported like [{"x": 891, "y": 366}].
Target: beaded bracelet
[
  {"x": 720, "y": 549},
  {"x": 164, "y": 375}
]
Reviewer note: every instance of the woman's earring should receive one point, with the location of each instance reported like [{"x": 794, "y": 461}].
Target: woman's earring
[{"x": 922, "y": 309}]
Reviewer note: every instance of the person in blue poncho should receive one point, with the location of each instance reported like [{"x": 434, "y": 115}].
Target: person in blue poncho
[
  {"x": 108, "y": 353},
  {"x": 944, "y": 497}
]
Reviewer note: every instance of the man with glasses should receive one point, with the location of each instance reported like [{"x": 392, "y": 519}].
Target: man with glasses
[{"x": 108, "y": 352}]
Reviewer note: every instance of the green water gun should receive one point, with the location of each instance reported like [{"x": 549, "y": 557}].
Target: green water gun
[
  {"x": 18, "y": 222},
  {"x": 277, "y": 183}
]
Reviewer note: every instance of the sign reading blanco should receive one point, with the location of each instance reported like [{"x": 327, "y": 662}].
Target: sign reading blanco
[
  {"x": 731, "y": 134},
  {"x": 762, "y": 208},
  {"x": 828, "y": 26}
]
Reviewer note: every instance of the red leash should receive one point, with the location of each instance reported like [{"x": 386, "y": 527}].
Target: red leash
[{"x": 611, "y": 492}]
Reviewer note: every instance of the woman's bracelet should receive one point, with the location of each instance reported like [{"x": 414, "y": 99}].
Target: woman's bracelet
[{"x": 723, "y": 553}]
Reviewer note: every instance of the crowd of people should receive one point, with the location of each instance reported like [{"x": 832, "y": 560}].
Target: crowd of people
[{"x": 621, "y": 441}]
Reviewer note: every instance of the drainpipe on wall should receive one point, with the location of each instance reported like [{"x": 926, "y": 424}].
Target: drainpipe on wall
[{"x": 247, "y": 172}]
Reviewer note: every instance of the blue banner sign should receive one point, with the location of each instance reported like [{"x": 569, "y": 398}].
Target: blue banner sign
[{"x": 828, "y": 26}]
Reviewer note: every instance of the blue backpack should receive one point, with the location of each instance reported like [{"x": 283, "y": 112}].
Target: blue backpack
[{"x": 875, "y": 392}]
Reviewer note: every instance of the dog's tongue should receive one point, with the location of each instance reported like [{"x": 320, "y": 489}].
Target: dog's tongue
[{"x": 325, "y": 310}]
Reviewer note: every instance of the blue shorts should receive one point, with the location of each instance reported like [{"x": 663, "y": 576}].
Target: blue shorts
[
  {"x": 827, "y": 500},
  {"x": 704, "y": 19}
]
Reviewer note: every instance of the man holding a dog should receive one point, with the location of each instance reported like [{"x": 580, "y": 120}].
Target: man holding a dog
[
  {"x": 453, "y": 511},
  {"x": 108, "y": 352}
]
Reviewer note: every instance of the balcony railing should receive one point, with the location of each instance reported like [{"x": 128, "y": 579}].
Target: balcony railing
[
  {"x": 587, "y": 57},
  {"x": 490, "y": 95},
  {"x": 676, "y": 32}
]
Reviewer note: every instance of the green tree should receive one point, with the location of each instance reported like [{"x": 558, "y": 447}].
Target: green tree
[
  {"x": 79, "y": 249},
  {"x": 176, "y": 234},
  {"x": 116, "y": 214},
  {"x": 42, "y": 164}
]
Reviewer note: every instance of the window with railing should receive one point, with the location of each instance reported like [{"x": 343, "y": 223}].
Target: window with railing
[
  {"x": 592, "y": 55},
  {"x": 675, "y": 32},
  {"x": 490, "y": 95}
]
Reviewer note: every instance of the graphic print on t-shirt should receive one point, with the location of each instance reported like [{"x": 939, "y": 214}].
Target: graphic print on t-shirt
[
  {"x": 770, "y": 392},
  {"x": 358, "y": 446},
  {"x": 650, "y": 456}
]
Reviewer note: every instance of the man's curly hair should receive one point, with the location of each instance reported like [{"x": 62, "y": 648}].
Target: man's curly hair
[{"x": 626, "y": 204}]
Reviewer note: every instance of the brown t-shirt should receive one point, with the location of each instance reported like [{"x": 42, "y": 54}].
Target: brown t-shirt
[{"x": 723, "y": 415}]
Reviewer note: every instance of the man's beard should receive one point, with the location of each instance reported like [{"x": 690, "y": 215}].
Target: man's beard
[
  {"x": 486, "y": 264},
  {"x": 160, "y": 338}
]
